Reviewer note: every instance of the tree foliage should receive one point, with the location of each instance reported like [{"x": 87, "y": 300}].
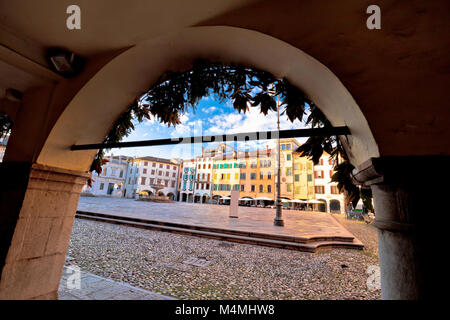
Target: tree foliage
[{"x": 175, "y": 92}]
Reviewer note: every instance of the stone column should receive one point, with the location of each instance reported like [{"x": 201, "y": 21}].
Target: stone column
[
  {"x": 37, "y": 210},
  {"x": 409, "y": 209}
]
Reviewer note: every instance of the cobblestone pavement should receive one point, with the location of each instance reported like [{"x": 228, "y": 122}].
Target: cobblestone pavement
[
  {"x": 93, "y": 287},
  {"x": 297, "y": 223},
  {"x": 366, "y": 233},
  {"x": 187, "y": 267}
]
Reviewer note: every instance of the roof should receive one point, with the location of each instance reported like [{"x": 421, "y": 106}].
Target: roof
[{"x": 155, "y": 159}]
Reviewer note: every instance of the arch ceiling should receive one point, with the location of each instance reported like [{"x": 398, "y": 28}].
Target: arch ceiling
[{"x": 90, "y": 114}]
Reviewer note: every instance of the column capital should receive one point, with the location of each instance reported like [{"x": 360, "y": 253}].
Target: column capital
[{"x": 397, "y": 170}]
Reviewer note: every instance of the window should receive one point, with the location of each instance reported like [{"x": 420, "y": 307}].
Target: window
[
  {"x": 152, "y": 180},
  {"x": 144, "y": 171},
  {"x": 297, "y": 177},
  {"x": 228, "y": 176},
  {"x": 253, "y": 188},
  {"x": 318, "y": 174},
  {"x": 207, "y": 186},
  {"x": 199, "y": 166},
  {"x": 209, "y": 176},
  {"x": 288, "y": 172},
  {"x": 261, "y": 176},
  {"x": 243, "y": 176},
  {"x": 269, "y": 188},
  {"x": 174, "y": 175},
  {"x": 173, "y": 183},
  {"x": 319, "y": 189},
  {"x": 288, "y": 157},
  {"x": 204, "y": 166},
  {"x": 102, "y": 186},
  {"x": 145, "y": 163},
  {"x": 321, "y": 162},
  {"x": 209, "y": 166},
  {"x": 309, "y": 177},
  {"x": 153, "y": 164},
  {"x": 153, "y": 171},
  {"x": 261, "y": 188},
  {"x": 253, "y": 176},
  {"x": 174, "y": 167},
  {"x": 242, "y": 188},
  {"x": 253, "y": 165},
  {"x": 334, "y": 190},
  {"x": 166, "y": 182},
  {"x": 105, "y": 172},
  {"x": 236, "y": 176},
  {"x": 143, "y": 181},
  {"x": 269, "y": 175},
  {"x": 160, "y": 165},
  {"x": 121, "y": 173},
  {"x": 129, "y": 180},
  {"x": 288, "y": 146}
]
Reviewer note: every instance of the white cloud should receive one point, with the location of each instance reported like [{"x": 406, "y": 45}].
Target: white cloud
[{"x": 209, "y": 110}]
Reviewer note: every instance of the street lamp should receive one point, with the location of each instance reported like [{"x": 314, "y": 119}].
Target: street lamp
[{"x": 278, "y": 221}]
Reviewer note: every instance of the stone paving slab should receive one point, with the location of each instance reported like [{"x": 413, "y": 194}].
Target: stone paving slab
[
  {"x": 94, "y": 287},
  {"x": 305, "y": 224}
]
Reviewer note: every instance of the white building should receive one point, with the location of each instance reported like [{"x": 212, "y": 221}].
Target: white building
[
  {"x": 187, "y": 181},
  {"x": 111, "y": 182},
  {"x": 325, "y": 190},
  {"x": 148, "y": 171},
  {"x": 203, "y": 179}
]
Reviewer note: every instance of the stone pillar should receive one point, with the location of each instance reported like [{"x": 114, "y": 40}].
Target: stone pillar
[
  {"x": 409, "y": 209},
  {"x": 37, "y": 210}
]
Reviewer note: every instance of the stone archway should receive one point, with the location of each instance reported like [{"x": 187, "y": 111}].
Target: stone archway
[{"x": 86, "y": 120}]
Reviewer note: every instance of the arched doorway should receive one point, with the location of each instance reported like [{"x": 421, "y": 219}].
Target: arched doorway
[
  {"x": 171, "y": 196},
  {"x": 335, "y": 206},
  {"x": 322, "y": 207}
]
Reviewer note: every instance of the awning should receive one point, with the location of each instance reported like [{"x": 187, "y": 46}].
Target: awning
[
  {"x": 264, "y": 198},
  {"x": 225, "y": 198},
  {"x": 246, "y": 199},
  {"x": 315, "y": 201},
  {"x": 297, "y": 201}
]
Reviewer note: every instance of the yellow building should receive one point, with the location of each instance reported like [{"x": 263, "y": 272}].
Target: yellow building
[
  {"x": 225, "y": 177},
  {"x": 303, "y": 177},
  {"x": 287, "y": 147}
]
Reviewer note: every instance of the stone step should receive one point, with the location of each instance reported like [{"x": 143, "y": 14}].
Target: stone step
[
  {"x": 310, "y": 246},
  {"x": 228, "y": 231}
]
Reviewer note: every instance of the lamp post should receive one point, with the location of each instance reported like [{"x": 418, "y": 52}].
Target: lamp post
[{"x": 278, "y": 221}]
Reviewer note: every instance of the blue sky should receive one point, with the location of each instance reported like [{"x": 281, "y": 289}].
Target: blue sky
[{"x": 209, "y": 118}]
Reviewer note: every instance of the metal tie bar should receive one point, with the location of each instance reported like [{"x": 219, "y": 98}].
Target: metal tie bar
[{"x": 247, "y": 136}]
